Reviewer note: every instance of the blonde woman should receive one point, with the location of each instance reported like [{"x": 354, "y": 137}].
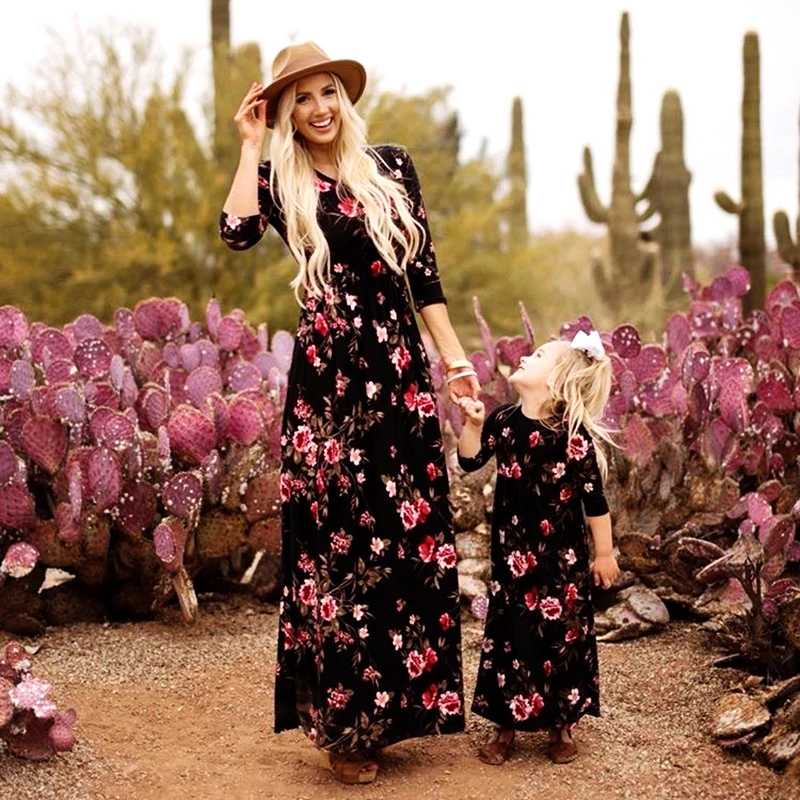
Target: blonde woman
[
  {"x": 369, "y": 643},
  {"x": 538, "y": 668}
]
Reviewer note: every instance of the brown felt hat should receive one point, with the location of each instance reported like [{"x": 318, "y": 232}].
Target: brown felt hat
[{"x": 298, "y": 60}]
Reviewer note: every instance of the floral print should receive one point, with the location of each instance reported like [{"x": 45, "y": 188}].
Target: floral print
[
  {"x": 369, "y": 639},
  {"x": 538, "y": 665}
]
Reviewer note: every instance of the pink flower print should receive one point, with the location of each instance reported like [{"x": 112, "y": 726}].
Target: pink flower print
[
  {"x": 547, "y": 668},
  {"x": 381, "y": 332},
  {"x": 445, "y": 621},
  {"x": 569, "y": 557},
  {"x": 355, "y": 456},
  {"x": 546, "y": 527},
  {"x": 410, "y": 397},
  {"x": 565, "y": 494},
  {"x": 302, "y": 410},
  {"x": 232, "y": 222},
  {"x": 559, "y": 470},
  {"x": 401, "y": 358},
  {"x": 350, "y": 208},
  {"x": 312, "y": 355},
  {"x": 332, "y": 451},
  {"x": 521, "y": 563},
  {"x": 340, "y": 543},
  {"x": 371, "y": 389},
  {"x": 588, "y": 488},
  {"x": 534, "y": 439},
  {"x": 303, "y": 438},
  {"x": 570, "y": 596},
  {"x": 573, "y": 697},
  {"x": 319, "y": 480},
  {"x": 532, "y": 599},
  {"x": 449, "y": 703},
  {"x": 423, "y": 509},
  {"x": 429, "y": 696},
  {"x": 408, "y": 515},
  {"x": 289, "y": 640},
  {"x": 421, "y": 212},
  {"x": 314, "y": 509},
  {"x": 366, "y": 519},
  {"x": 357, "y": 323},
  {"x": 363, "y": 633},
  {"x": 328, "y": 608},
  {"x": 381, "y": 699},
  {"x": 512, "y": 470},
  {"x": 323, "y": 186},
  {"x": 571, "y": 635},
  {"x": 415, "y": 664},
  {"x": 321, "y": 324},
  {"x": 391, "y": 488},
  {"x": 397, "y": 641},
  {"x": 377, "y": 545},
  {"x": 426, "y": 404},
  {"x": 306, "y": 564},
  {"x": 337, "y": 698},
  {"x": 427, "y": 549},
  {"x": 520, "y": 707},
  {"x": 308, "y": 592},
  {"x": 578, "y": 447},
  {"x": 369, "y": 674},
  {"x": 446, "y": 556},
  {"x": 285, "y": 487},
  {"x": 536, "y": 704},
  {"x": 433, "y": 471},
  {"x": 376, "y": 267},
  {"x": 430, "y": 659},
  {"x": 551, "y": 607},
  {"x": 341, "y": 384}
]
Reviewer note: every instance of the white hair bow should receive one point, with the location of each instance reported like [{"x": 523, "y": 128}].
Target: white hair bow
[{"x": 590, "y": 344}]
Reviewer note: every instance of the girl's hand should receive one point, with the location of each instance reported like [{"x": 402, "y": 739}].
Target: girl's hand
[
  {"x": 473, "y": 411},
  {"x": 606, "y": 570},
  {"x": 467, "y": 386},
  {"x": 251, "y": 118}
]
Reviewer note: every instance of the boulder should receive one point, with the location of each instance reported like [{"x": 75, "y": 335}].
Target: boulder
[
  {"x": 736, "y": 715},
  {"x": 473, "y": 544},
  {"x": 480, "y": 568}
]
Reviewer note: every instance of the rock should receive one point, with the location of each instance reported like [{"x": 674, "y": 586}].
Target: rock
[
  {"x": 638, "y": 553},
  {"x": 781, "y": 746},
  {"x": 480, "y": 568},
  {"x": 646, "y": 604},
  {"x": 472, "y": 545},
  {"x": 737, "y": 714},
  {"x": 471, "y": 587},
  {"x": 468, "y": 506},
  {"x": 676, "y": 601},
  {"x": 780, "y": 691}
]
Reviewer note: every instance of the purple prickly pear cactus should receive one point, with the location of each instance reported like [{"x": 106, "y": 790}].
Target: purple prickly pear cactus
[
  {"x": 510, "y": 350},
  {"x": 9, "y": 464},
  {"x": 183, "y": 497},
  {"x": 282, "y": 349},
  {"x": 774, "y": 391},
  {"x": 638, "y": 441},
  {"x": 213, "y": 317},
  {"x": 45, "y": 441},
  {"x": 242, "y": 376},
  {"x": 68, "y": 524},
  {"x": 678, "y": 334},
  {"x": 192, "y": 435},
  {"x": 781, "y": 295},
  {"x": 649, "y": 364},
  {"x": 485, "y": 332},
  {"x": 626, "y": 341},
  {"x": 93, "y": 357},
  {"x": 229, "y": 333},
  {"x": 104, "y": 477},
  {"x": 19, "y": 560},
  {"x": 13, "y": 327},
  {"x": 696, "y": 365},
  {"x": 717, "y": 440},
  {"x": 136, "y": 507},
  {"x": 202, "y": 382},
  {"x": 22, "y": 380},
  {"x": 169, "y": 539},
  {"x": 245, "y": 425}
]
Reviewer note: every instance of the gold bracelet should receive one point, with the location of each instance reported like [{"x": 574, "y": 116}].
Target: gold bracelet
[
  {"x": 458, "y": 363},
  {"x": 463, "y": 374}
]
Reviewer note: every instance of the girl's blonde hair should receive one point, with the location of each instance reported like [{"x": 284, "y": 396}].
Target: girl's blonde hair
[
  {"x": 390, "y": 224},
  {"x": 579, "y": 390}
]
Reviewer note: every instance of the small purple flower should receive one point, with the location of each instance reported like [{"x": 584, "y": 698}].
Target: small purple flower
[{"x": 31, "y": 694}]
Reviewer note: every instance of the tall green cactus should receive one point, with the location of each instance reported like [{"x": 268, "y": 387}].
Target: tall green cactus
[
  {"x": 750, "y": 209},
  {"x": 668, "y": 192},
  {"x": 516, "y": 172},
  {"x": 628, "y": 280},
  {"x": 788, "y": 249}
]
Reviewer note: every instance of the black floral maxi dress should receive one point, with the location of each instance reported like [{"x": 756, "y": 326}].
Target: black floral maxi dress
[
  {"x": 369, "y": 647},
  {"x": 538, "y": 665}
]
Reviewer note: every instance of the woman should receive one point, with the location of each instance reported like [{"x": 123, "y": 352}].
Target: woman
[{"x": 369, "y": 643}]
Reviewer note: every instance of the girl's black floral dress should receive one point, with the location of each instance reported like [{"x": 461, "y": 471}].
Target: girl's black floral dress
[
  {"x": 369, "y": 648},
  {"x": 538, "y": 667}
]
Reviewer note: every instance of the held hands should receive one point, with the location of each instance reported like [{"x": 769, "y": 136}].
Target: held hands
[
  {"x": 251, "y": 118},
  {"x": 466, "y": 386},
  {"x": 605, "y": 570},
  {"x": 473, "y": 412}
]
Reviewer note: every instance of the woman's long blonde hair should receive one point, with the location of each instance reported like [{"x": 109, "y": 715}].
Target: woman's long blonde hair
[
  {"x": 390, "y": 224},
  {"x": 579, "y": 390}
]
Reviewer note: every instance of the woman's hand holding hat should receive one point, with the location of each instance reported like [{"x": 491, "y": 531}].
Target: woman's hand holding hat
[{"x": 251, "y": 118}]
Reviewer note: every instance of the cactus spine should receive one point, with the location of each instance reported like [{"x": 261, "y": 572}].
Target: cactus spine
[
  {"x": 789, "y": 250},
  {"x": 750, "y": 209},
  {"x": 515, "y": 169},
  {"x": 629, "y": 278},
  {"x": 668, "y": 192}
]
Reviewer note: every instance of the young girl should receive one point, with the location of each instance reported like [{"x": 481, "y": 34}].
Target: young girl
[{"x": 538, "y": 667}]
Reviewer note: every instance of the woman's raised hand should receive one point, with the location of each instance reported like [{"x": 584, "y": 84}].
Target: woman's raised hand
[{"x": 251, "y": 118}]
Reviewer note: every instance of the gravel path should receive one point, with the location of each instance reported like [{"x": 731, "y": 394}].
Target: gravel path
[{"x": 166, "y": 712}]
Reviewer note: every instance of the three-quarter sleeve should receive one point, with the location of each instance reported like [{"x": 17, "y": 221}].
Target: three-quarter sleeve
[
  {"x": 241, "y": 233},
  {"x": 582, "y": 457},
  {"x": 488, "y": 443},
  {"x": 422, "y": 271}
]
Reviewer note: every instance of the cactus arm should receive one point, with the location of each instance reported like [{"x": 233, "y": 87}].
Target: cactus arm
[
  {"x": 592, "y": 205},
  {"x": 648, "y": 267},
  {"x": 726, "y": 203},
  {"x": 608, "y": 293},
  {"x": 646, "y": 214}
]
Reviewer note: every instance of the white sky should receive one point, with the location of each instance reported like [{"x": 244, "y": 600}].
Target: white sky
[{"x": 562, "y": 59}]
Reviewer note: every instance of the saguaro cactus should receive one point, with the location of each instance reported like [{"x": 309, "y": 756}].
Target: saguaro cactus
[
  {"x": 668, "y": 192},
  {"x": 789, "y": 250},
  {"x": 517, "y": 175},
  {"x": 628, "y": 279},
  {"x": 750, "y": 209}
]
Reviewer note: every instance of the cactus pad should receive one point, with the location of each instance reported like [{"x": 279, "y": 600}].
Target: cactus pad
[
  {"x": 638, "y": 441},
  {"x": 678, "y": 334},
  {"x": 696, "y": 365},
  {"x": 202, "y": 382},
  {"x": 191, "y": 434},
  {"x": 245, "y": 424},
  {"x": 649, "y": 364},
  {"x": 183, "y": 496},
  {"x": 9, "y": 464},
  {"x": 169, "y": 539},
  {"x": 229, "y": 333},
  {"x": 136, "y": 507},
  {"x": 104, "y": 477},
  {"x": 13, "y": 327},
  {"x": 16, "y": 506},
  {"x": 242, "y": 376},
  {"x": 626, "y": 341},
  {"x": 19, "y": 560},
  {"x": 45, "y": 441},
  {"x": 22, "y": 379},
  {"x": 774, "y": 391},
  {"x": 93, "y": 357}
]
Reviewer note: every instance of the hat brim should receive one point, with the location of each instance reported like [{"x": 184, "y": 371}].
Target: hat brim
[{"x": 352, "y": 75}]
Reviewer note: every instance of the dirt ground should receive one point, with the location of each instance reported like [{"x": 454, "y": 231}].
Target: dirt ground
[{"x": 166, "y": 711}]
